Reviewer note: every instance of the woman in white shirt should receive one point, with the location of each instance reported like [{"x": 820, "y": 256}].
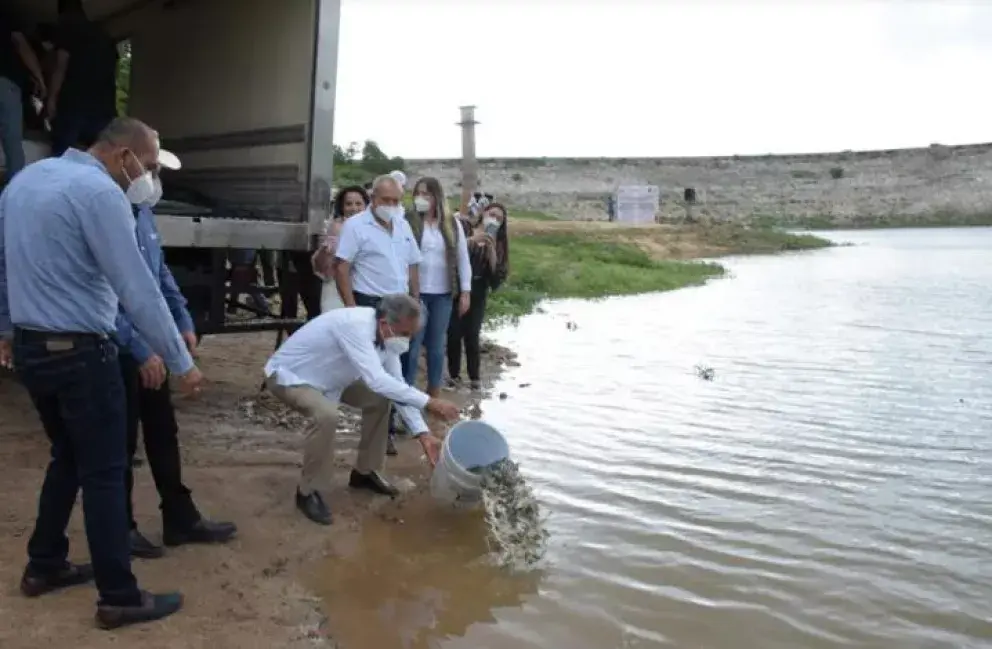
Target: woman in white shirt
[
  {"x": 445, "y": 274},
  {"x": 348, "y": 202}
]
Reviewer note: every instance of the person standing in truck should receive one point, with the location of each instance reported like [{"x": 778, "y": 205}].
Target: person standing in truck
[
  {"x": 150, "y": 405},
  {"x": 15, "y": 52},
  {"x": 82, "y": 95},
  {"x": 67, "y": 228}
]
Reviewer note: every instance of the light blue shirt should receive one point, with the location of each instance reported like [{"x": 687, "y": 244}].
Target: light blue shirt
[
  {"x": 67, "y": 253},
  {"x": 150, "y": 245}
]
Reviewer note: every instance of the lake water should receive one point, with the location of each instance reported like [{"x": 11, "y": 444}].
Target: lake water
[{"x": 831, "y": 486}]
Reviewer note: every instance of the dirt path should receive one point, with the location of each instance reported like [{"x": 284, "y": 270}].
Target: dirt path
[{"x": 241, "y": 460}]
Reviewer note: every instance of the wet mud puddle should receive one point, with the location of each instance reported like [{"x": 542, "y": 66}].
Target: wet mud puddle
[{"x": 416, "y": 575}]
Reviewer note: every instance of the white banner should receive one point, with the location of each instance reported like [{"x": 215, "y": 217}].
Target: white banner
[{"x": 637, "y": 203}]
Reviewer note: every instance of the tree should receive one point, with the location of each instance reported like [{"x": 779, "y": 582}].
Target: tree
[{"x": 350, "y": 168}]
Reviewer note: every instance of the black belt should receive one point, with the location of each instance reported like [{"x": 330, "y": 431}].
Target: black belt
[{"x": 34, "y": 336}]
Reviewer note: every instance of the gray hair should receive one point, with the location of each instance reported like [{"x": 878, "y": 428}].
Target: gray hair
[
  {"x": 383, "y": 180},
  {"x": 126, "y": 132},
  {"x": 398, "y": 307}
]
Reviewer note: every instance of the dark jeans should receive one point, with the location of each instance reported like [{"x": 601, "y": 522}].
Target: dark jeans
[
  {"x": 11, "y": 126},
  {"x": 153, "y": 410},
  {"x": 361, "y": 299},
  {"x": 303, "y": 282},
  {"x": 75, "y": 384},
  {"x": 77, "y": 128},
  {"x": 467, "y": 329}
]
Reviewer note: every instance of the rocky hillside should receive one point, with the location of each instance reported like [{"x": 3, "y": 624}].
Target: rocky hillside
[{"x": 938, "y": 184}]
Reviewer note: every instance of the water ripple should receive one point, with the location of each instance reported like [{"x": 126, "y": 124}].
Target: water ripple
[{"x": 828, "y": 488}]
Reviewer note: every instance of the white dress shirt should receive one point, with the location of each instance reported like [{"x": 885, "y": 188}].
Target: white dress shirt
[
  {"x": 434, "y": 278},
  {"x": 337, "y": 348},
  {"x": 380, "y": 260}
]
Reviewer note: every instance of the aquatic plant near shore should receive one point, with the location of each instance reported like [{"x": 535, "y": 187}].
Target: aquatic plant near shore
[{"x": 517, "y": 534}]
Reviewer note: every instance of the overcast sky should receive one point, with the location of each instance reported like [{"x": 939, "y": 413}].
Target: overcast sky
[{"x": 664, "y": 77}]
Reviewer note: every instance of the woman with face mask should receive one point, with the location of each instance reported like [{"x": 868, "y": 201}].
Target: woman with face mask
[
  {"x": 489, "y": 252},
  {"x": 349, "y": 201},
  {"x": 445, "y": 277}
]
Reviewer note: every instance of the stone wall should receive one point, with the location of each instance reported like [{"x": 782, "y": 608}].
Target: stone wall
[{"x": 937, "y": 184}]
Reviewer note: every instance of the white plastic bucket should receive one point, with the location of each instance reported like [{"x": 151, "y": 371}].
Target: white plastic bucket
[{"x": 469, "y": 444}]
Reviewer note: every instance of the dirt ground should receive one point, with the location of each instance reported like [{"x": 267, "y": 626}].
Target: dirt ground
[{"x": 241, "y": 460}]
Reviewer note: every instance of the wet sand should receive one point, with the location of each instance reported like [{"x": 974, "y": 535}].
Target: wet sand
[{"x": 241, "y": 460}]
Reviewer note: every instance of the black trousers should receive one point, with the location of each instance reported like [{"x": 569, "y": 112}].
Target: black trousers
[
  {"x": 75, "y": 384},
  {"x": 467, "y": 329},
  {"x": 153, "y": 411}
]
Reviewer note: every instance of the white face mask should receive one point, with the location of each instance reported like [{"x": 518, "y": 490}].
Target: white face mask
[
  {"x": 398, "y": 345},
  {"x": 388, "y": 212},
  {"x": 394, "y": 344},
  {"x": 491, "y": 225},
  {"x": 140, "y": 189},
  {"x": 156, "y": 195},
  {"x": 421, "y": 204}
]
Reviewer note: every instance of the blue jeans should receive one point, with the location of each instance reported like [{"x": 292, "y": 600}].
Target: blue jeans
[
  {"x": 11, "y": 126},
  {"x": 433, "y": 336},
  {"x": 75, "y": 383}
]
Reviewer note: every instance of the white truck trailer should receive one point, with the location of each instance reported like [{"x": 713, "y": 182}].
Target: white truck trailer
[{"x": 243, "y": 91}]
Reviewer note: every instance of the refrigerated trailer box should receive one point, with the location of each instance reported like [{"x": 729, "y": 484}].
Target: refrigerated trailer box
[{"x": 243, "y": 91}]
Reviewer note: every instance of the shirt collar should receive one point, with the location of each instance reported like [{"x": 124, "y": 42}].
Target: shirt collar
[{"x": 84, "y": 157}]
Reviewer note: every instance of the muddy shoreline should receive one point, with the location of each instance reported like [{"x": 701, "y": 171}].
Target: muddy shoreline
[{"x": 241, "y": 459}]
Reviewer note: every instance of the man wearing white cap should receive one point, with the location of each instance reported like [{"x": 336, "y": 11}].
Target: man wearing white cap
[{"x": 149, "y": 399}]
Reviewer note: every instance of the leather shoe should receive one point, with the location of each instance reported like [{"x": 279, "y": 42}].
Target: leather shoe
[
  {"x": 202, "y": 532},
  {"x": 313, "y": 507},
  {"x": 373, "y": 482},
  {"x": 142, "y": 548},
  {"x": 35, "y": 585},
  {"x": 152, "y": 607}
]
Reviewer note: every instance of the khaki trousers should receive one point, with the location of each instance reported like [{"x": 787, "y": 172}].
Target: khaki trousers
[{"x": 318, "y": 450}]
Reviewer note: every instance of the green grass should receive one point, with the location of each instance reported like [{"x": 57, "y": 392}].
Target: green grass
[
  {"x": 528, "y": 215},
  {"x": 760, "y": 240},
  {"x": 574, "y": 266}
]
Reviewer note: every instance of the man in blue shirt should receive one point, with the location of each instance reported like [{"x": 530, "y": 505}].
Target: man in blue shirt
[
  {"x": 67, "y": 253},
  {"x": 151, "y": 405}
]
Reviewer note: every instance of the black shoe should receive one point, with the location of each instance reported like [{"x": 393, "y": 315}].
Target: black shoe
[
  {"x": 142, "y": 548},
  {"x": 475, "y": 386},
  {"x": 454, "y": 382},
  {"x": 391, "y": 446},
  {"x": 34, "y": 585},
  {"x": 202, "y": 532},
  {"x": 373, "y": 482},
  {"x": 152, "y": 607},
  {"x": 314, "y": 508}
]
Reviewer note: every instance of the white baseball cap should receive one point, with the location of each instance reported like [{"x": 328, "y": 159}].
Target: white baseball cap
[{"x": 169, "y": 160}]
